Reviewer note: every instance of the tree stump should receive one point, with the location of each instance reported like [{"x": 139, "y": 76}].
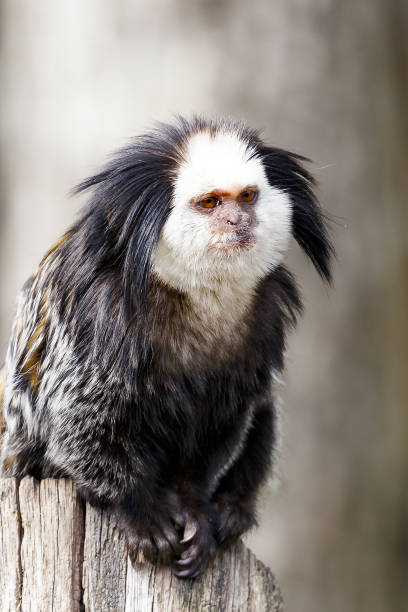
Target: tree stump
[{"x": 57, "y": 554}]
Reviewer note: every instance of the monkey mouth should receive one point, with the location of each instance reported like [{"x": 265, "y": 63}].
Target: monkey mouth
[{"x": 234, "y": 241}]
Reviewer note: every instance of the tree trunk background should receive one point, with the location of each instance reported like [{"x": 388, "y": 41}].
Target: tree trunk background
[
  {"x": 58, "y": 555},
  {"x": 324, "y": 78}
]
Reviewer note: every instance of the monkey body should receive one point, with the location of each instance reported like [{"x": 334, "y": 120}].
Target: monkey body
[{"x": 140, "y": 362}]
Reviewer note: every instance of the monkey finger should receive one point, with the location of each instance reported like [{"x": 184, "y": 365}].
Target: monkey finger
[
  {"x": 189, "y": 554},
  {"x": 183, "y": 562},
  {"x": 147, "y": 547},
  {"x": 194, "y": 566},
  {"x": 172, "y": 538},
  {"x": 163, "y": 547},
  {"x": 179, "y": 520},
  {"x": 196, "y": 573},
  {"x": 190, "y": 531}
]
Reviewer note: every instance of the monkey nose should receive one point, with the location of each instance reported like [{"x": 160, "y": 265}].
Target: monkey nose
[
  {"x": 231, "y": 221},
  {"x": 233, "y": 218}
]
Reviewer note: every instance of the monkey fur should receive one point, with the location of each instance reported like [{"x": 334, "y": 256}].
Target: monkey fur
[{"x": 143, "y": 350}]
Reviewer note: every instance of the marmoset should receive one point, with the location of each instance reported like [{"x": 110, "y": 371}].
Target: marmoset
[{"x": 143, "y": 351}]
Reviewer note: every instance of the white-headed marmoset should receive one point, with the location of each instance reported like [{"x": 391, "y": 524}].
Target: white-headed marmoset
[{"x": 143, "y": 350}]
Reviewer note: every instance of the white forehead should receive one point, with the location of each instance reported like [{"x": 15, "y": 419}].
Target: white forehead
[{"x": 220, "y": 161}]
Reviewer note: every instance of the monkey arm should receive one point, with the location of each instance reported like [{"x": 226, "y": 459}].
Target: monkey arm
[
  {"x": 235, "y": 496},
  {"x": 114, "y": 469}
]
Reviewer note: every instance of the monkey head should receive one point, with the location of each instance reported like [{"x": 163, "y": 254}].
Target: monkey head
[
  {"x": 199, "y": 202},
  {"x": 226, "y": 219}
]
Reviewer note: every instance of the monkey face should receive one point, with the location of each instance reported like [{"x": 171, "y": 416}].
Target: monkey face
[
  {"x": 225, "y": 217},
  {"x": 232, "y": 217}
]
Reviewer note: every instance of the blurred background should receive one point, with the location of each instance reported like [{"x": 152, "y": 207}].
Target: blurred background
[{"x": 325, "y": 78}]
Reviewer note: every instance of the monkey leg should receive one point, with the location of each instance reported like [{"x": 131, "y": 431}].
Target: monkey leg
[
  {"x": 114, "y": 470},
  {"x": 235, "y": 497},
  {"x": 230, "y": 511}
]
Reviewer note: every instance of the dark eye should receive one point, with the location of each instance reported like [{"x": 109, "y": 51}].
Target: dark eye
[
  {"x": 249, "y": 195},
  {"x": 210, "y": 202}
]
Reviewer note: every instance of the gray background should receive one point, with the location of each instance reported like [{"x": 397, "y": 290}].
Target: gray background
[{"x": 327, "y": 79}]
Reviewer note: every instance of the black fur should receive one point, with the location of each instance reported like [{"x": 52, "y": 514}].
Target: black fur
[
  {"x": 113, "y": 404},
  {"x": 285, "y": 170}
]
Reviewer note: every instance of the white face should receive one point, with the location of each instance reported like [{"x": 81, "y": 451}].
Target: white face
[{"x": 195, "y": 249}]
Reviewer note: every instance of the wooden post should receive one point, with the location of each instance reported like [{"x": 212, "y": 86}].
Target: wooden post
[{"x": 58, "y": 555}]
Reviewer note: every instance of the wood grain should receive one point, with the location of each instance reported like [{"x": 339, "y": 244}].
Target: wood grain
[
  {"x": 51, "y": 547},
  {"x": 10, "y": 530},
  {"x": 58, "y": 556}
]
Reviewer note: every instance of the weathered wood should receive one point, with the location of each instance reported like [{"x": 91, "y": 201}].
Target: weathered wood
[
  {"x": 10, "y": 530},
  {"x": 105, "y": 563},
  {"x": 58, "y": 556},
  {"x": 235, "y": 581},
  {"x": 51, "y": 546}
]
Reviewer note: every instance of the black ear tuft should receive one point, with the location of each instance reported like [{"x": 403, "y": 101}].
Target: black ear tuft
[
  {"x": 130, "y": 203},
  {"x": 285, "y": 171}
]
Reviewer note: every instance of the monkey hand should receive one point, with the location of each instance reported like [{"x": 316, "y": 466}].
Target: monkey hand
[
  {"x": 156, "y": 535},
  {"x": 198, "y": 543},
  {"x": 234, "y": 517}
]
